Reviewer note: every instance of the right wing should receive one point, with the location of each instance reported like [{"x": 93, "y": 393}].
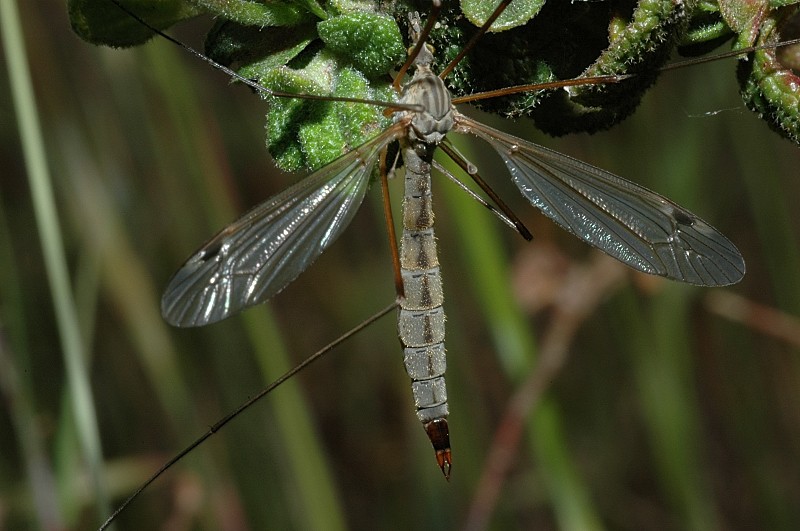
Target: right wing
[{"x": 629, "y": 222}]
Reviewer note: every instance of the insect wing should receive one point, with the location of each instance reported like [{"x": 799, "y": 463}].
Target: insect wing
[
  {"x": 258, "y": 255},
  {"x": 627, "y": 221}
]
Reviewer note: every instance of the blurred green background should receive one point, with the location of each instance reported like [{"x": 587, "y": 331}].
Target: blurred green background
[{"x": 640, "y": 403}]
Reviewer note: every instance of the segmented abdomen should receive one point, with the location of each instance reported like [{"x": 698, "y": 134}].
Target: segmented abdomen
[{"x": 421, "y": 318}]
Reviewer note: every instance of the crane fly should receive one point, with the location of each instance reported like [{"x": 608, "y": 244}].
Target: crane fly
[{"x": 258, "y": 255}]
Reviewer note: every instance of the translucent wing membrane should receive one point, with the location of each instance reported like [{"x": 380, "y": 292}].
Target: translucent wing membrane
[
  {"x": 631, "y": 223},
  {"x": 258, "y": 255}
]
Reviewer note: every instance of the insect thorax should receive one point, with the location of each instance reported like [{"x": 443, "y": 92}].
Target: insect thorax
[{"x": 435, "y": 120}]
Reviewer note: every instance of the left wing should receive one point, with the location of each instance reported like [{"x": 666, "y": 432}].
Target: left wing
[{"x": 259, "y": 254}]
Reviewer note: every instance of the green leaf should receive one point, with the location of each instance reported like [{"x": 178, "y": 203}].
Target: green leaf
[
  {"x": 641, "y": 47},
  {"x": 102, "y": 22},
  {"x": 256, "y": 50},
  {"x": 516, "y": 14},
  {"x": 261, "y": 13},
  {"x": 371, "y": 43},
  {"x": 341, "y": 7},
  {"x": 309, "y": 134},
  {"x": 312, "y": 7},
  {"x": 769, "y": 88},
  {"x": 743, "y": 18}
]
